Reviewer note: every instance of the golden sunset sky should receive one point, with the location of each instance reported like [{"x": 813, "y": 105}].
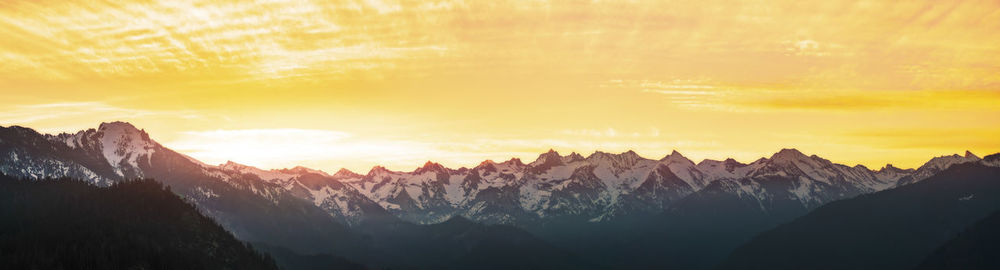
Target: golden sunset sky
[{"x": 330, "y": 84}]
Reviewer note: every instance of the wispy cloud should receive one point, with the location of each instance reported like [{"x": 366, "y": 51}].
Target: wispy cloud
[
  {"x": 264, "y": 39},
  {"x": 941, "y": 139},
  {"x": 612, "y": 132},
  {"x": 702, "y": 94},
  {"x": 751, "y": 41}
]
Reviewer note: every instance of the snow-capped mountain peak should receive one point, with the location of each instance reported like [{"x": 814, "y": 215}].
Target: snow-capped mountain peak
[
  {"x": 550, "y": 156},
  {"x": 431, "y": 167},
  {"x": 377, "y": 170},
  {"x": 788, "y": 155},
  {"x": 943, "y": 162},
  {"x": 123, "y": 146},
  {"x": 345, "y": 173},
  {"x": 726, "y": 169},
  {"x": 684, "y": 169},
  {"x": 546, "y": 161},
  {"x": 515, "y": 162},
  {"x": 936, "y": 165},
  {"x": 572, "y": 157},
  {"x": 991, "y": 160},
  {"x": 676, "y": 157}
]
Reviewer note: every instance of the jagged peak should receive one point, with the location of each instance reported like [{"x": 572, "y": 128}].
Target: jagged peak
[
  {"x": 116, "y": 125},
  {"x": 572, "y": 157},
  {"x": 945, "y": 161},
  {"x": 728, "y": 163},
  {"x": 675, "y": 156},
  {"x": 673, "y": 153},
  {"x": 487, "y": 165},
  {"x": 378, "y": 169},
  {"x": 514, "y": 162},
  {"x": 788, "y": 154},
  {"x": 430, "y": 166},
  {"x": 119, "y": 128},
  {"x": 122, "y": 127},
  {"x": 991, "y": 160},
  {"x": 550, "y": 153},
  {"x": 627, "y": 155},
  {"x": 598, "y": 154},
  {"x": 549, "y": 156},
  {"x": 968, "y": 155},
  {"x": 345, "y": 173},
  {"x": 892, "y": 168}
]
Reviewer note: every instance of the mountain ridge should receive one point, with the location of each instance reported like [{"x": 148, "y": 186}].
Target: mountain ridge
[
  {"x": 334, "y": 213},
  {"x": 612, "y": 184}
]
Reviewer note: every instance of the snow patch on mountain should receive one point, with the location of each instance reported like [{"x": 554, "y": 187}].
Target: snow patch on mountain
[
  {"x": 936, "y": 165},
  {"x": 991, "y": 160},
  {"x": 272, "y": 176},
  {"x": 123, "y": 145}
]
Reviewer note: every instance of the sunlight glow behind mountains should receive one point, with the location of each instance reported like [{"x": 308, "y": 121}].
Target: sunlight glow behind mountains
[{"x": 331, "y": 84}]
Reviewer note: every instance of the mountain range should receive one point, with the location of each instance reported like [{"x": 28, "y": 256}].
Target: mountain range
[{"x": 581, "y": 204}]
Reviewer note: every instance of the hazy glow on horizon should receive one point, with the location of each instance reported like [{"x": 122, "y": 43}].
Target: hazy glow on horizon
[{"x": 330, "y": 84}]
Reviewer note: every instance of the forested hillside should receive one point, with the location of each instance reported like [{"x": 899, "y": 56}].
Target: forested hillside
[{"x": 69, "y": 224}]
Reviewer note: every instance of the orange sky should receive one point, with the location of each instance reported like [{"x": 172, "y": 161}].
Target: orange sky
[{"x": 330, "y": 84}]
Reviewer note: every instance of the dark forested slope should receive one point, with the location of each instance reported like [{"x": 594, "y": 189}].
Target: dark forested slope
[
  {"x": 68, "y": 224},
  {"x": 975, "y": 248}
]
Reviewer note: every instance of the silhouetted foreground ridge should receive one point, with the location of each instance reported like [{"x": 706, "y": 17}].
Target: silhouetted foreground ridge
[{"x": 69, "y": 224}]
